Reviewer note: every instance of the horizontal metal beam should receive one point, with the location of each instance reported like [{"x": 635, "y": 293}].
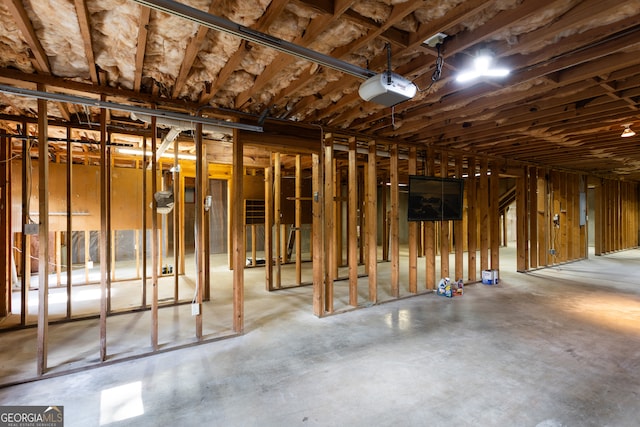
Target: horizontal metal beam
[
  {"x": 58, "y": 97},
  {"x": 221, "y": 24}
]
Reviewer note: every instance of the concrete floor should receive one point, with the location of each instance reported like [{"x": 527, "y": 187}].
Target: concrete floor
[{"x": 556, "y": 347}]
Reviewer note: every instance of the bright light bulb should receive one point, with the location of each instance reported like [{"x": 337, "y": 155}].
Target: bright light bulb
[{"x": 482, "y": 63}]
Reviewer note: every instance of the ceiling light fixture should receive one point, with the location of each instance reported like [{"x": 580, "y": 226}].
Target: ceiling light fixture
[
  {"x": 482, "y": 67},
  {"x": 627, "y": 132}
]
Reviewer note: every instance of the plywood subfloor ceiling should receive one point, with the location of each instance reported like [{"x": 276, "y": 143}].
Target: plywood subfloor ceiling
[{"x": 575, "y": 78}]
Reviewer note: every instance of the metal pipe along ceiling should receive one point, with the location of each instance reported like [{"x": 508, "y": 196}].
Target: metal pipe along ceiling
[
  {"x": 58, "y": 97},
  {"x": 221, "y": 24}
]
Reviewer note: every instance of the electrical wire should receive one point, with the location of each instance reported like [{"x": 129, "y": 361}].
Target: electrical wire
[{"x": 437, "y": 72}]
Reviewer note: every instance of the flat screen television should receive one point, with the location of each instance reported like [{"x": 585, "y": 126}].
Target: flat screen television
[{"x": 434, "y": 198}]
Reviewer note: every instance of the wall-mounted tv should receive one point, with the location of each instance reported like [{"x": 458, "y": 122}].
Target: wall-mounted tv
[{"x": 433, "y": 198}]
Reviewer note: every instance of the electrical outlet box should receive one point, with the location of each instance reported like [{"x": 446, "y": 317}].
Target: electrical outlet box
[
  {"x": 31, "y": 229},
  {"x": 552, "y": 251},
  {"x": 195, "y": 309}
]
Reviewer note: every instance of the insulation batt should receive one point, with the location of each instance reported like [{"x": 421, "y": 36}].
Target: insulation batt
[
  {"x": 14, "y": 52},
  {"x": 59, "y": 35}
]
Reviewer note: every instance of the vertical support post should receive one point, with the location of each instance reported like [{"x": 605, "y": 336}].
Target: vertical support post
[
  {"x": 372, "y": 222},
  {"x": 385, "y": 221},
  {"x": 430, "y": 232},
  {"x": 413, "y": 232},
  {"x": 268, "y": 228},
  {"x": 533, "y": 217},
  {"x": 543, "y": 223},
  {"x": 110, "y": 258},
  {"x": 143, "y": 209},
  {"x": 319, "y": 240},
  {"x": 277, "y": 201},
  {"x": 238, "y": 233},
  {"x": 337, "y": 200},
  {"x": 395, "y": 226},
  {"x": 352, "y": 224},
  {"x": 43, "y": 237},
  {"x": 458, "y": 239},
  {"x": 5, "y": 225},
  {"x": 444, "y": 225},
  {"x": 104, "y": 235},
  {"x": 521, "y": 221},
  {"x": 154, "y": 235},
  {"x": 25, "y": 256},
  {"x": 330, "y": 237},
  {"x": 298, "y": 219},
  {"x": 176, "y": 220},
  {"x": 199, "y": 227},
  {"x": 483, "y": 202},
  {"x": 69, "y": 240},
  {"x": 495, "y": 216},
  {"x": 472, "y": 220}
]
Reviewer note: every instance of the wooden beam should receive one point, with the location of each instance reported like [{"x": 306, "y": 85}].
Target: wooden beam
[
  {"x": 533, "y": 217},
  {"x": 472, "y": 219},
  {"x": 238, "y": 234},
  {"x": 318, "y": 237},
  {"x": 22, "y": 21},
  {"x": 413, "y": 231},
  {"x": 444, "y": 225},
  {"x": 201, "y": 178},
  {"x": 141, "y": 47},
  {"x": 69, "y": 203},
  {"x": 395, "y": 225},
  {"x": 329, "y": 226},
  {"x": 85, "y": 33},
  {"x": 430, "y": 232},
  {"x": 521, "y": 222},
  {"x": 352, "y": 224},
  {"x": 268, "y": 228},
  {"x": 25, "y": 256},
  {"x": 371, "y": 232},
  {"x": 43, "y": 238},
  {"x": 6, "y": 247},
  {"x": 458, "y": 229},
  {"x": 277, "y": 202},
  {"x": 483, "y": 202},
  {"x": 104, "y": 235},
  {"x": 154, "y": 235},
  {"x": 298, "y": 219},
  {"x": 495, "y": 216}
]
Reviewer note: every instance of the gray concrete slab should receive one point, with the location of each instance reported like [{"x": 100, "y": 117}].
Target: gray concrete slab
[{"x": 557, "y": 347}]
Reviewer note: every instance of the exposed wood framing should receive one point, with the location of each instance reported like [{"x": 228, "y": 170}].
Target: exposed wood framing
[
  {"x": 85, "y": 32},
  {"x": 429, "y": 232},
  {"x": 43, "y": 238},
  {"x": 330, "y": 242},
  {"x": 268, "y": 227},
  {"x": 298, "y": 219},
  {"x": 372, "y": 222},
  {"x": 413, "y": 232},
  {"x": 445, "y": 226},
  {"x": 104, "y": 235},
  {"x": 352, "y": 223},
  {"x": 6, "y": 247},
  {"x": 154, "y": 235},
  {"x": 318, "y": 239},
  {"x": 472, "y": 220},
  {"x": 458, "y": 234},
  {"x": 494, "y": 216},
  {"x": 238, "y": 234},
  {"x": 395, "y": 225}
]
